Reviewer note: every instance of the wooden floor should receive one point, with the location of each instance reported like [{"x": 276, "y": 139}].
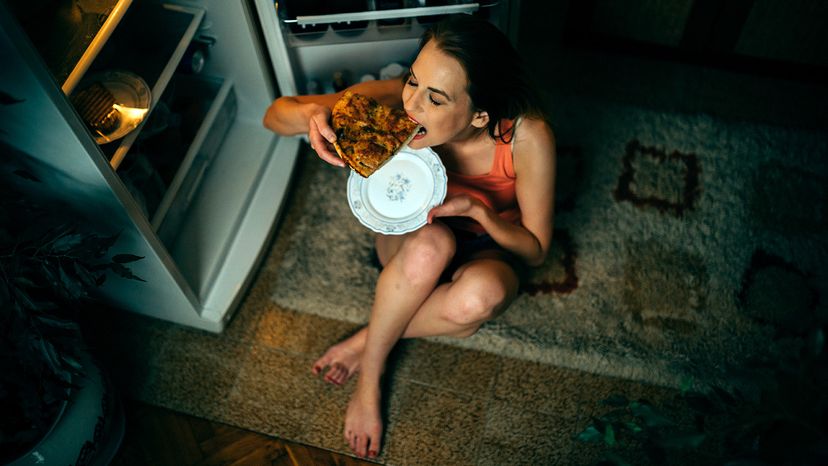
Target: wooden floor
[{"x": 158, "y": 437}]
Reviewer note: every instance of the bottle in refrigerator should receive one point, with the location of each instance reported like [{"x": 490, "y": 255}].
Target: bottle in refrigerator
[{"x": 390, "y": 5}]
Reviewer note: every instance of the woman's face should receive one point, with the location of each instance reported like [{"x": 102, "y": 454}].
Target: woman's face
[{"x": 435, "y": 96}]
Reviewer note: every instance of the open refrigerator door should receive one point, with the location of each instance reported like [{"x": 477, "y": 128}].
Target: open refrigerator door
[{"x": 319, "y": 47}]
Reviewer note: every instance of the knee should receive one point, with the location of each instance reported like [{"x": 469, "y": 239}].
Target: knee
[
  {"x": 473, "y": 307},
  {"x": 427, "y": 254}
]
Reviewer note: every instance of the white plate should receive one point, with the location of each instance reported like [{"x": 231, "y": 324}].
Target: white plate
[
  {"x": 129, "y": 90},
  {"x": 397, "y": 197}
]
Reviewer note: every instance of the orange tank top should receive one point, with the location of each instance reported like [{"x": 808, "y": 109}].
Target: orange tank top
[{"x": 496, "y": 189}]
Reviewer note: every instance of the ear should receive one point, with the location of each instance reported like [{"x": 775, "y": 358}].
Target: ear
[{"x": 480, "y": 119}]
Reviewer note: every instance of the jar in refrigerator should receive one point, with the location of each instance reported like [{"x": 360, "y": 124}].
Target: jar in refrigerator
[
  {"x": 193, "y": 60},
  {"x": 390, "y": 5},
  {"x": 312, "y": 87},
  {"x": 392, "y": 70},
  {"x": 348, "y": 28},
  {"x": 340, "y": 80},
  {"x": 295, "y": 8},
  {"x": 434, "y": 18}
]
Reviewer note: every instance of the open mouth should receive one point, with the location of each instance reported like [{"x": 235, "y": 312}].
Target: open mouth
[{"x": 421, "y": 133}]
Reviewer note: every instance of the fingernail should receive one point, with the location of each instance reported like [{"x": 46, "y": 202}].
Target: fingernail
[{"x": 372, "y": 454}]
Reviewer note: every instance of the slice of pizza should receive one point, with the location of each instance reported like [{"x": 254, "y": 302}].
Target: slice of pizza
[{"x": 368, "y": 133}]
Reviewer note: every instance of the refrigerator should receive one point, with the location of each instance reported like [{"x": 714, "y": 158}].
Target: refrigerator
[{"x": 187, "y": 175}]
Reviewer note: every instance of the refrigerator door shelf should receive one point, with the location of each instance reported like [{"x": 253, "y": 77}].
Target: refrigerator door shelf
[{"x": 384, "y": 14}]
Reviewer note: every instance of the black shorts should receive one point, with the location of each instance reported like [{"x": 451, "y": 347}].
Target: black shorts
[{"x": 470, "y": 244}]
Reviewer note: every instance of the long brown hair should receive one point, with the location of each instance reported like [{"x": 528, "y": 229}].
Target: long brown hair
[{"x": 498, "y": 82}]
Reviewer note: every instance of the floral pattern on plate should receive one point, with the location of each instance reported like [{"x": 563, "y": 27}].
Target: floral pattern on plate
[{"x": 396, "y": 199}]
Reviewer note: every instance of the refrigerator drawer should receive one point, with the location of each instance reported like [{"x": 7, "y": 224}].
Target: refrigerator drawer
[{"x": 204, "y": 147}]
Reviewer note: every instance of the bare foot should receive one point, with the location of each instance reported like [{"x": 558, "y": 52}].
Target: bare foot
[
  {"x": 363, "y": 425},
  {"x": 342, "y": 359}
]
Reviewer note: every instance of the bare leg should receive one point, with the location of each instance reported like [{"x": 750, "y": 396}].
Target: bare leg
[
  {"x": 408, "y": 304},
  {"x": 342, "y": 359},
  {"x": 404, "y": 284},
  {"x": 438, "y": 316}
]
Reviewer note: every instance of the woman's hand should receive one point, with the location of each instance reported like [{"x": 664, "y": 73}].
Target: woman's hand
[
  {"x": 461, "y": 205},
  {"x": 321, "y": 135}
]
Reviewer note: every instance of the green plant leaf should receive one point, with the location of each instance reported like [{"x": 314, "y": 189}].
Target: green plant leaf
[
  {"x": 66, "y": 242},
  {"x": 71, "y": 361},
  {"x": 609, "y": 435},
  {"x": 23, "y": 298},
  {"x": 124, "y": 271},
  {"x": 590, "y": 435},
  {"x": 46, "y": 269},
  {"x": 70, "y": 284},
  {"x": 633, "y": 427},
  {"x": 23, "y": 281},
  {"x": 126, "y": 258},
  {"x": 50, "y": 356},
  {"x": 84, "y": 275},
  {"x": 104, "y": 243},
  {"x": 55, "y": 322}
]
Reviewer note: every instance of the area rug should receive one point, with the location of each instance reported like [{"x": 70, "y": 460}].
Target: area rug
[{"x": 684, "y": 245}]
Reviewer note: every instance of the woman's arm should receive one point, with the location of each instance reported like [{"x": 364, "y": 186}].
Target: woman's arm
[
  {"x": 535, "y": 164},
  {"x": 292, "y": 115},
  {"x": 534, "y": 158}
]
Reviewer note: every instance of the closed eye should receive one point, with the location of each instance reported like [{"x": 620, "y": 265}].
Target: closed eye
[{"x": 413, "y": 83}]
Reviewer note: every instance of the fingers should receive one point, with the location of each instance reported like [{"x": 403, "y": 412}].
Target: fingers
[
  {"x": 324, "y": 128},
  {"x": 433, "y": 213},
  {"x": 322, "y": 144}
]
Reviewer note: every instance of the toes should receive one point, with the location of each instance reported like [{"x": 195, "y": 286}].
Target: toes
[
  {"x": 361, "y": 445},
  {"x": 341, "y": 377},
  {"x": 319, "y": 366},
  {"x": 352, "y": 442},
  {"x": 374, "y": 445},
  {"x": 335, "y": 374}
]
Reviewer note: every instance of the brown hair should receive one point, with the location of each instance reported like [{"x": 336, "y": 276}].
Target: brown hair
[{"x": 498, "y": 82}]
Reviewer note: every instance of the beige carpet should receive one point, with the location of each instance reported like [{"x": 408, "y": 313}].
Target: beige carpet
[{"x": 683, "y": 244}]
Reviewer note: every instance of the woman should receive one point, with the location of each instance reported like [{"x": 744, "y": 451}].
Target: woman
[{"x": 467, "y": 90}]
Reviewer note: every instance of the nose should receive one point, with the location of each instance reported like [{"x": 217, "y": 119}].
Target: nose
[{"x": 411, "y": 102}]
